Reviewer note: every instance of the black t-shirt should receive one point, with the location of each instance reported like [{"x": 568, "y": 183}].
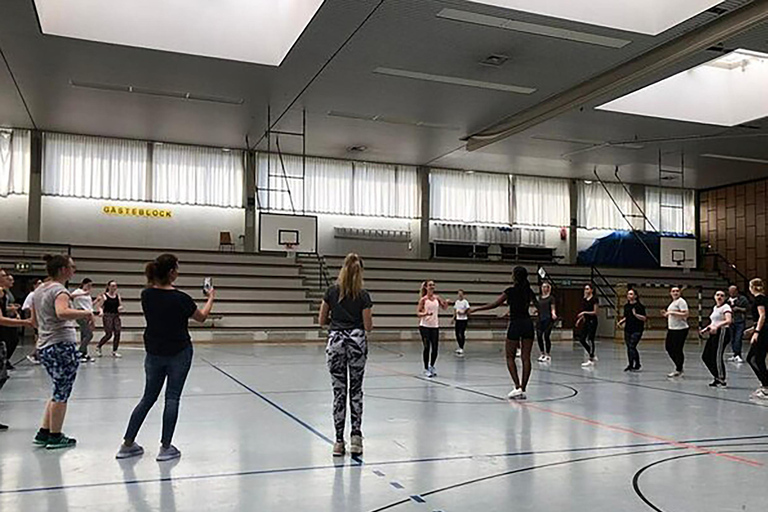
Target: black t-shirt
[
  {"x": 632, "y": 324},
  {"x": 167, "y": 313},
  {"x": 760, "y": 300},
  {"x": 346, "y": 314},
  {"x": 589, "y": 305},
  {"x": 5, "y": 332},
  {"x": 518, "y": 300}
]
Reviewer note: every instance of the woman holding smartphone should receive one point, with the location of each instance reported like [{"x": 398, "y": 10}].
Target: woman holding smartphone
[
  {"x": 719, "y": 336},
  {"x": 167, "y": 311}
]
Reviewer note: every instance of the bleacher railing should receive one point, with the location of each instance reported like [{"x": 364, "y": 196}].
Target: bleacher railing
[{"x": 716, "y": 262}]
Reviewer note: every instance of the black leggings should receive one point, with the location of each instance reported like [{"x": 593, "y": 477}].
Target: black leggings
[
  {"x": 429, "y": 337},
  {"x": 544, "y": 335},
  {"x": 674, "y": 345},
  {"x": 587, "y": 337},
  {"x": 461, "y": 332},
  {"x": 756, "y": 358},
  {"x": 632, "y": 340},
  {"x": 714, "y": 351}
]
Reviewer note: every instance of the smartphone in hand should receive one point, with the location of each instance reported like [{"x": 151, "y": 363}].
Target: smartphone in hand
[{"x": 207, "y": 285}]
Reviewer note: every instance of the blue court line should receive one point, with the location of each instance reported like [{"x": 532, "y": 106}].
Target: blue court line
[
  {"x": 273, "y": 404},
  {"x": 396, "y": 485},
  {"x": 260, "y": 472},
  {"x": 418, "y": 499}
]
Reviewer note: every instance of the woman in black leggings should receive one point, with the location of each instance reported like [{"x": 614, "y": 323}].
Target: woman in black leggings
[
  {"x": 545, "y": 307},
  {"x": 428, "y": 310},
  {"x": 587, "y": 320},
  {"x": 758, "y": 349},
  {"x": 719, "y": 337},
  {"x": 677, "y": 330},
  {"x": 519, "y": 297}
]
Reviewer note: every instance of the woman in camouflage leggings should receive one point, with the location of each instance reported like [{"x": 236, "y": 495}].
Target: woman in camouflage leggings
[{"x": 346, "y": 308}]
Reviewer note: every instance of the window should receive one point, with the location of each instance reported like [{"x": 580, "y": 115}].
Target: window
[
  {"x": 542, "y": 202},
  {"x": 94, "y": 167},
  {"x": 469, "y": 197},
  {"x": 14, "y": 162},
  {"x": 598, "y": 211},
  {"x": 197, "y": 176},
  {"x": 670, "y": 210}
]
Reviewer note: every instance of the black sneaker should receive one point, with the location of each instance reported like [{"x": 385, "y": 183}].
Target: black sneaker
[
  {"x": 3, "y": 427},
  {"x": 9, "y": 366},
  {"x": 636, "y": 369},
  {"x": 60, "y": 441},
  {"x": 628, "y": 369},
  {"x": 40, "y": 439}
]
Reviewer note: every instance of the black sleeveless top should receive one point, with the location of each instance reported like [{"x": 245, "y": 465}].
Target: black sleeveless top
[{"x": 110, "y": 304}]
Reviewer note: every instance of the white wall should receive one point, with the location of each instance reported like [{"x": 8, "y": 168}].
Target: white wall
[
  {"x": 328, "y": 245},
  {"x": 81, "y": 221},
  {"x": 13, "y": 218}
]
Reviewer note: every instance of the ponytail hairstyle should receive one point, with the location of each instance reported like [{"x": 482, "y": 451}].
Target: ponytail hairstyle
[
  {"x": 757, "y": 285},
  {"x": 55, "y": 264},
  {"x": 158, "y": 271},
  {"x": 423, "y": 289},
  {"x": 520, "y": 279},
  {"x": 108, "y": 284},
  {"x": 350, "y": 279}
]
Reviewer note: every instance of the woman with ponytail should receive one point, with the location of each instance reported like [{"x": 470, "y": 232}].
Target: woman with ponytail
[
  {"x": 519, "y": 297},
  {"x": 428, "y": 310},
  {"x": 346, "y": 309},
  {"x": 168, "y": 344}
]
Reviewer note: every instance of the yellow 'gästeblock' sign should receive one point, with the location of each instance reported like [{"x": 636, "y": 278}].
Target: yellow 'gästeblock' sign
[{"x": 126, "y": 211}]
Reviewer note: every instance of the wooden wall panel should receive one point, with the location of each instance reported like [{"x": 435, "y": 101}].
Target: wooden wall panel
[{"x": 734, "y": 220}]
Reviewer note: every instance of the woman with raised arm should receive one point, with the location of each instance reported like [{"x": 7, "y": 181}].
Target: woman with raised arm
[
  {"x": 519, "y": 297},
  {"x": 56, "y": 323},
  {"x": 677, "y": 330},
  {"x": 428, "y": 310},
  {"x": 111, "y": 305},
  {"x": 719, "y": 336},
  {"x": 587, "y": 320},
  {"x": 547, "y": 316},
  {"x": 758, "y": 349},
  {"x": 347, "y": 308},
  {"x": 168, "y": 344}
]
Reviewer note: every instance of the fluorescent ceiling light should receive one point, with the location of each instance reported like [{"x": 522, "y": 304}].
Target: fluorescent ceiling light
[
  {"x": 644, "y": 16},
  {"x": 726, "y": 91},
  {"x": 736, "y": 158},
  {"x": 391, "y": 120},
  {"x": 531, "y": 28},
  {"x": 255, "y": 31},
  {"x": 452, "y": 80}
]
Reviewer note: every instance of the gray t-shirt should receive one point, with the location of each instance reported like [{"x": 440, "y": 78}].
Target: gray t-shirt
[
  {"x": 52, "y": 329},
  {"x": 544, "y": 305}
]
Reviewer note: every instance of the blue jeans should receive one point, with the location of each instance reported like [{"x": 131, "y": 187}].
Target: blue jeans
[
  {"x": 737, "y": 332},
  {"x": 158, "y": 369}
]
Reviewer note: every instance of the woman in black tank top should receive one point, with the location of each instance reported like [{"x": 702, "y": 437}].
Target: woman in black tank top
[
  {"x": 111, "y": 307},
  {"x": 519, "y": 297}
]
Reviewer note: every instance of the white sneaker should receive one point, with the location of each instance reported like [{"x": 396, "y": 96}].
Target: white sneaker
[
  {"x": 32, "y": 359},
  {"x": 516, "y": 394},
  {"x": 432, "y": 371},
  {"x": 588, "y": 364},
  {"x": 98, "y": 352},
  {"x": 116, "y": 355},
  {"x": 738, "y": 360},
  {"x": 675, "y": 375},
  {"x": 731, "y": 359},
  {"x": 761, "y": 394},
  {"x": 547, "y": 359},
  {"x": 542, "y": 358},
  {"x": 426, "y": 373},
  {"x": 459, "y": 351}
]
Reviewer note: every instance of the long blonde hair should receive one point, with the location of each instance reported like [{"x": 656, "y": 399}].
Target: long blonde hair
[
  {"x": 350, "y": 279},
  {"x": 757, "y": 285}
]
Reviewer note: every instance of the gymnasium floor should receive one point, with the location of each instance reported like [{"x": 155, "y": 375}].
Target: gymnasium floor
[{"x": 255, "y": 431}]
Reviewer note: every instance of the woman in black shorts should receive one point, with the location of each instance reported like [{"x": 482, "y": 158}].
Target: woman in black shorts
[{"x": 519, "y": 297}]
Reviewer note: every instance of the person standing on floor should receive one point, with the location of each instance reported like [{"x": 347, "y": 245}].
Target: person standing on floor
[
  {"x": 26, "y": 312},
  {"x": 677, "y": 330},
  {"x": 428, "y": 312},
  {"x": 739, "y": 306},
  {"x": 111, "y": 306},
  {"x": 82, "y": 300},
  {"x": 57, "y": 343},
  {"x": 168, "y": 344},
  {"x": 719, "y": 336},
  {"x": 633, "y": 322},
  {"x": 6, "y": 324},
  {"x": 347, "y": 310},
  {"x": 11, "y": 310},
  {"x": 547, "y": 316},
  {"x": 758, "y": 350},
  {"x": 587, "y": 320},
  {"x": 519, "y": 297},
  {"x": 460, "y": 319}
]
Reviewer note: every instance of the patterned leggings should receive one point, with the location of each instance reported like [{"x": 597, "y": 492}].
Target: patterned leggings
[
  {"x": 112, "y": 327},
  {"x": 347, "y": 352},
  {"x": 61, "y": 362}
]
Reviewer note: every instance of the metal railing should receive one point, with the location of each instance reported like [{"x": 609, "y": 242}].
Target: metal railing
[
  {"x": 324, "y": 277},
  {"x": 722, "y": 266},
  {"x": 601, "y": 283}
]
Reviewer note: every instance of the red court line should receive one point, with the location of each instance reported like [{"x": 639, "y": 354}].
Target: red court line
[{"x": 594, "y": 423}]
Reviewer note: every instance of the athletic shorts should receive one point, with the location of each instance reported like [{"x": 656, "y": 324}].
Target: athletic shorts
[{"x": 520, "y": 329}]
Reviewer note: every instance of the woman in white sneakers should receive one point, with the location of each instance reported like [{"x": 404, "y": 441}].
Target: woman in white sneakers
[
  {"x": 545, "y": 306},
  {"x": 428, "y": 310},
  {"x": 460, "y": 319},
  {"x": 677, "y": 330},
  {"x": 719, "y": 337},
  {"x": 758, "y": 350}
]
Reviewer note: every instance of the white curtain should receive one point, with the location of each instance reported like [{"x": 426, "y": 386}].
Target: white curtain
[
  {"x": 542, "y": 202},
  {"x": 597, "y": 211},
  {"x": 670, "y": 210},
  {"x": 197, "y": 176},
  {"x": 94, "y": 167},
  {"x": 338, "y": 187},
  {"x": 14, "y": 162},
  {"x": 469, "y": 197},
  {"x": 382, "y": 190}
]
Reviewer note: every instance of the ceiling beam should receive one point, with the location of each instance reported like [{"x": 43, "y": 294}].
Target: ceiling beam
[{"x": 665, "y": 55}]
